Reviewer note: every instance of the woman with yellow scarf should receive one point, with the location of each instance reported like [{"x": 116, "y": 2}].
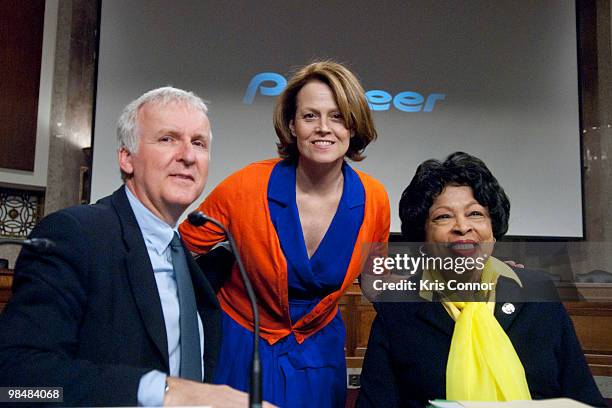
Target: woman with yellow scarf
[{"x": 463, "y": 345}]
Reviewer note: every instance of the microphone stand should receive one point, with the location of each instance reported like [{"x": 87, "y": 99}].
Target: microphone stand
[
  {"x": 197, "y": 219},
  {"x": 41, "y": 245}
]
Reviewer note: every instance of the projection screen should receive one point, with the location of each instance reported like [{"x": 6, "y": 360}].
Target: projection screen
[{"x": 494, "y": 79}]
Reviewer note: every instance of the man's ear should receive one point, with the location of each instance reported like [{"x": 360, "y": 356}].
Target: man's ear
[{"x": 125, "y": 161}]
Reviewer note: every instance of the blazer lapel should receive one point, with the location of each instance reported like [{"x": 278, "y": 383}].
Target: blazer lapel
[
  {"x": 435, "y": 315},
  {"x": 506, "y": 310},
  {"x": 432, "y": 312},
  {"x": 208, "y": 308},
  {"x": 141, "y": 276}
]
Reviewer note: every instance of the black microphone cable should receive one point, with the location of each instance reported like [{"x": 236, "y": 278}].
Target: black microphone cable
[{"x": 197, "y": 219}]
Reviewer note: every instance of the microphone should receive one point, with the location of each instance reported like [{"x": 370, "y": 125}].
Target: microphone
[
  {"x": 41, "y": 245},
  {"x": 197, "y": 219}
]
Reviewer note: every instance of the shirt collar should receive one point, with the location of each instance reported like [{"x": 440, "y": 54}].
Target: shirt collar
[
  {"x": 504, "y": 270},
  {"x": 283, "y": 189},
  {"x": 353, "y": 190},
  {"x": 156, "y": 232}
]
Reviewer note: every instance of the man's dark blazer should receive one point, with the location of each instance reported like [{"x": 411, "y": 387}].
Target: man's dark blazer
[
  {"x": 87, "y": 316},
  {"x": 405, "y": 362}
]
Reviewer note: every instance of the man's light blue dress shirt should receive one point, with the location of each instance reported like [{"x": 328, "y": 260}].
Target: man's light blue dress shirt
[{"x": 157, "y": 236}]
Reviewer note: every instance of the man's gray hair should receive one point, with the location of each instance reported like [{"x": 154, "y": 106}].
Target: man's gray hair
[{"x": 127, "y": 126}]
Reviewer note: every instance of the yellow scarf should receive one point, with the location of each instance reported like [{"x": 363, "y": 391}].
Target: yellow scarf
[{"x": 482, "y": 363}]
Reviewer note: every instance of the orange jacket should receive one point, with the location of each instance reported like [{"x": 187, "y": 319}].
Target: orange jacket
[{"x": 240, "y": 202}]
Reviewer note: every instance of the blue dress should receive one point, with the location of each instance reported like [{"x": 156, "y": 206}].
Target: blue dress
[{"x": 311, "y": 374}]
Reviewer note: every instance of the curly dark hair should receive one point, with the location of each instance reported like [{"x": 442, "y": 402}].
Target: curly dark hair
[{"x": 459, "y": 169}]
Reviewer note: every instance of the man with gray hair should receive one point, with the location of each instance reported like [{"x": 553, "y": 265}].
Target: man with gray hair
[{"x": 118, "y": 313}]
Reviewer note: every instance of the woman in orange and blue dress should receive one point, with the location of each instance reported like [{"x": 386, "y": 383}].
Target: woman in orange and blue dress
[{"x": 301, "y": 223}]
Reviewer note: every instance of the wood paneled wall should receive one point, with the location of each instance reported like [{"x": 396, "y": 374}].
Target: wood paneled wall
[
  {"x": 21, "y": 38},
  {"x": 6, "y": 280}
]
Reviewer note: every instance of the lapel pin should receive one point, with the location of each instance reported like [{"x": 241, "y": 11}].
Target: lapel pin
[{"x": 508, "y": 308}]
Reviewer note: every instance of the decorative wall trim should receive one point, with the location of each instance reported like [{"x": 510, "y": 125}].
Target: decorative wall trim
[{"x": 20, "y": 211}]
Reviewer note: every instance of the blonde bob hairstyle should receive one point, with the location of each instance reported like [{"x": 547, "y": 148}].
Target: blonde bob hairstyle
[{"x": 349, "y": 96}]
